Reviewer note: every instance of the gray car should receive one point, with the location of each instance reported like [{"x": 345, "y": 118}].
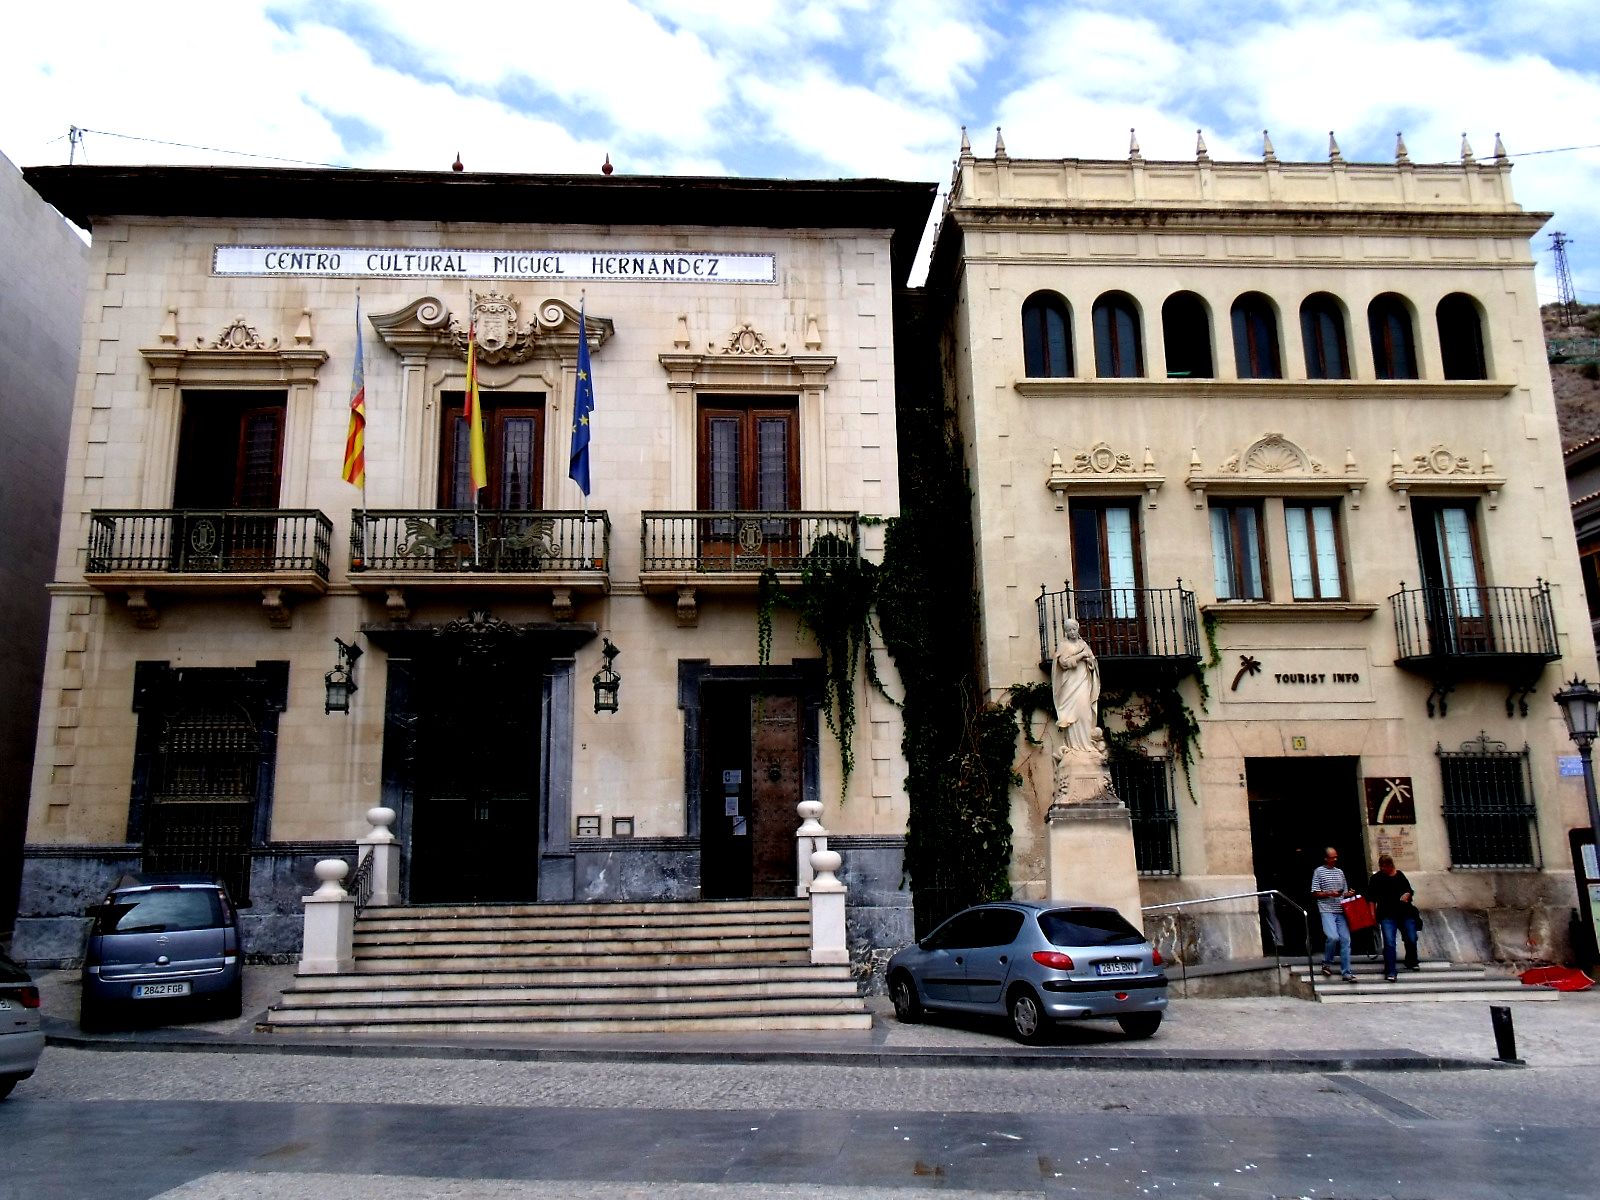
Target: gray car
[
  {"x": 21, "y": 1037},
  {"x": 158, "y": 947},
  {"x": 1037, "y": 963}
]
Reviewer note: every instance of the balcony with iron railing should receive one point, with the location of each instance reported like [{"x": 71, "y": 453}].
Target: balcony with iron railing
[
  {"x": 1504, "y": 634},
  {"x": 275, "y": 550},
  {"x": 733, "y": 549},
  {"x": 1134, "y": 632},
  {"x": 543, "y": 551}
]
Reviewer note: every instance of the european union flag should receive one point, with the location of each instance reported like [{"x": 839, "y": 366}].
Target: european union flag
[{"x": 582, "y": 410}]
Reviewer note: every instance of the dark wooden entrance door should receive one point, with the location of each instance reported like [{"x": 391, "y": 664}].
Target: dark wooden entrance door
[
  {"x": 1299, "y": 806},
  {"x": 475, "y": 808},
  {"x": 750, "y": 787}
]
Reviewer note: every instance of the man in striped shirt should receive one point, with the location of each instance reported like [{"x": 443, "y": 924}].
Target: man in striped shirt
[{"x": 1329, "y": 886}]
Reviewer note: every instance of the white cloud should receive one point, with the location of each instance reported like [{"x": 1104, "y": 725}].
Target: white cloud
[{"x": 932, "y": 50}]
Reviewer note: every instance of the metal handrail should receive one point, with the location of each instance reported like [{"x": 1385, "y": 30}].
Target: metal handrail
[
  {"x": 1277, "y": 950},
  {"x": 360, "y": 885}
]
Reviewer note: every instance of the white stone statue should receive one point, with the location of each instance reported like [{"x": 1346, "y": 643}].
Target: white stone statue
[{"x": 1075, "y": 685}]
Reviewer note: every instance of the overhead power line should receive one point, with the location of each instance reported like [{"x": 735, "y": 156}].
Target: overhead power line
[{"x": 75, "y": 136}]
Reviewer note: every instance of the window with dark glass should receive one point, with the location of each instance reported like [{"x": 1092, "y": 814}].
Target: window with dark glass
[
  {"x": 1237, "y": 551},
  {"x": 230, "y": 450},
  {"x": 1186, "y": 336},
  {"x": 513, "y": 448},
  {"x": 1589, "y": 562},
  {"x": 1455, "y": 601},
  {"x": 1488, "y": 809},
  {"x": 1046, "y": 336},
  {"x": 1461, "y": 350},
  {"x": 1312, "y": 531},
  {"x": 1118, "y": 352},
  {"x": 1144, "y": 784},
  {"x": 1322, "y": 332},
  {"x": 1394, "y": 351},
  {"x": 749, "y": 456},
  {"x": 1255, "y": 338},
  {"x": 1106, "y": 575}
]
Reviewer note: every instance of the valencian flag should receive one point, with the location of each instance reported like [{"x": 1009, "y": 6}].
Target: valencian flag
[
  {"x": 479, "y": 464},
  {"x": 355, "y": 441},
  {"x": 582, "y": 410}
]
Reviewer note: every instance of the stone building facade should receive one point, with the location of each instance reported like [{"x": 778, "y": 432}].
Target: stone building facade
[
  {"x": 1280, "y": 436},
  {"x": 42, "y": 264},
  {"x": 740, "y": 334}
]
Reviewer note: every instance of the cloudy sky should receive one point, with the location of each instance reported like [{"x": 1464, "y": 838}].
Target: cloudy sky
[{"x": 822, "y": 88}]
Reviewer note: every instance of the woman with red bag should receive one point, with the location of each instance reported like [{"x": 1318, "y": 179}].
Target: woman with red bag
[{"x": 1391, "y": 891}]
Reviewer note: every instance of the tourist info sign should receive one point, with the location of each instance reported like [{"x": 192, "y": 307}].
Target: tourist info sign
[{"x": 425, "y": 262}]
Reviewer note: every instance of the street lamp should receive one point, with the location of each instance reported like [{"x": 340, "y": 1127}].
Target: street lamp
[
  {"x": 606, "y": 681},
  {"x": 340, "y": 683}
]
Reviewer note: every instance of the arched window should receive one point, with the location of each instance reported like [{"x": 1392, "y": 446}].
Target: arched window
[
  {"x": 1255, "y": 338},
  {"x": 1118, "y": 353},
  {"x": 1461, "y": 338},
  {"x": 1322, "y": 332},
  {"x": 1046, "y": 336},
  {"x": 1186, "y": 334},
  {"x": 1394, "y": 350}
]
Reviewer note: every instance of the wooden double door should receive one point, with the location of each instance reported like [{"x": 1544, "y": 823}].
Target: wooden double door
[{"x": 751, "y": 784}]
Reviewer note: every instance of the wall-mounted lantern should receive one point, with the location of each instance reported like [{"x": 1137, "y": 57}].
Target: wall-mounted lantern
[
  {"x": 341, "y": 681},
  {"x": 606, "y": 681}
]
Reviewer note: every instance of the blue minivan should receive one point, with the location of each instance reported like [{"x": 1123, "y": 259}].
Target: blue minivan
[{"x": 161, "y": 946}]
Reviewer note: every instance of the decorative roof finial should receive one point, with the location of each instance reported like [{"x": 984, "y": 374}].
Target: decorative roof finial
[
  {"x": 1500, "y": 149},
  {"x": 999, "y": 144},
  {"x": 1466, "y": 150},
  {"x": 1268, "y": 154},
  {"x": 1201, "y": 154},
  {"x": 1134, "y": 154},
  {"x": 1401, "y": 154},
  {"x": 1333, "y": 149},
  {"x": 457, "y": 165},
  {"x": 606, "y": 168},
  {"x": 966, "y": 143}
]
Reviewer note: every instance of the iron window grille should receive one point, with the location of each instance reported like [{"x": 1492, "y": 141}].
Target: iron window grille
[
  {"x": 1489, "y": 813},
  {"x": 1144, "y": 783}
]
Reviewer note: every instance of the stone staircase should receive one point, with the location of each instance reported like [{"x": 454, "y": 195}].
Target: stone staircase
[
  {"x": 577, "y": 968},
  {"x": 1439, "y": 979}
]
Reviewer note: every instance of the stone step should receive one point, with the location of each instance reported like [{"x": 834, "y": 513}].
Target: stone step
[
  {"x": 741, "y": 908},
  {"x": 593, "y": 949},
  {"x": 1492, "y": 991},
  {"x": 435, "y": 958},
  {"x": 595, "y": 995},
  {"x": 694, "y": 937},
  {"x": 447, "y": 974},
  {"x": 533, "y": 1011},
  {"x": 1429, "y": 971},
  {"x": 379, "y": 921},
  {"x": 762, "y": 1022}
]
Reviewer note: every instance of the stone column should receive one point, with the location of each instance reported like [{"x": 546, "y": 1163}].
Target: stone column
[
  {"x": 328, "y": 947},
  {"x": 827, "y": 910},
  {"x": 809, "y": 838},
  {"x": 381, "y": 846}
]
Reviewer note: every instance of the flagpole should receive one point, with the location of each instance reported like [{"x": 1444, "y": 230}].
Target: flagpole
[
  {"x": 364, "y": 526},
  {"x": 475, "y": 401}
]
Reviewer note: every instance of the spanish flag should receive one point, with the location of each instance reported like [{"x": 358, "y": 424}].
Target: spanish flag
[
  {"x": 355, "y": 441},
  {"x": 479, "y": 464}
]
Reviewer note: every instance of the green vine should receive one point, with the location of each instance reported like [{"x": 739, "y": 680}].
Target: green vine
[
  {"x": 1025, "y": 699},
  {"x": 1208, "y": 622},
  {"x": 1158, "y": 707}
]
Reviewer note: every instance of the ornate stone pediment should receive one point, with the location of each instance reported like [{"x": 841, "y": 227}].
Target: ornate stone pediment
[
  {"x": 236, "y": 335},
  {"x": 1442, "y": 471},
  {"x": 1102, "y": 470},
  {"x": 1272, "y": 464},
  {"x": 746, "y": 339},
  {"x": 428, "y": 326}
]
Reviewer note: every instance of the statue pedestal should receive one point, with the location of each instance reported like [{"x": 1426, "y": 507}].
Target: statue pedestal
[{"x": 1090, "y": 842}]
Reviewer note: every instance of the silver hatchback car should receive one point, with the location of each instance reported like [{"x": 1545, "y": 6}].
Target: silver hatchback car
[
  {"x": 21, "y": 1037},
  {"x": 1037, "y": 963}
]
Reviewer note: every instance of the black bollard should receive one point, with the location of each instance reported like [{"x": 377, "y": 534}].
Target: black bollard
[{"x": 1505, "y": 1034}]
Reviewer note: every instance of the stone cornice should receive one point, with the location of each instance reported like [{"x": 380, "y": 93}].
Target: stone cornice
[
  {"x": 1270, "y": 389},
  {"x": 1242, "y": 218}
]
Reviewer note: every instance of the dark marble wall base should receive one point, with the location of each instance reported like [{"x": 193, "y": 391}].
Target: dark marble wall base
[
  {"x": 606, "y": 869},
  {"x": 878, "y": 914}
]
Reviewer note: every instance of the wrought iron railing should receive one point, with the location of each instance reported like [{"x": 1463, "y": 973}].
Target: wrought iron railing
[
  {"x": 1170, "y": 941},
  {"x": 1144, "y": 784},
  {"x": 1489, "y": 815},
  {"x": 1122, "y": 623},
  {"x": 443, "y": 540},
  {"x": 186, "y": 540},
  {"x": 746, "y": 541},
  {"x": 360, "y": 885},
  {"x": 1474, "y": 621}
]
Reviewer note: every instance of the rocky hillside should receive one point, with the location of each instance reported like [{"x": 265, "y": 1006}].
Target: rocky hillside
[{"x": 1577, "y": 385}]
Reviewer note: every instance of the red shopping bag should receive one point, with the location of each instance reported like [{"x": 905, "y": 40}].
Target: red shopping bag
[{"x": 1359, "y": 912}]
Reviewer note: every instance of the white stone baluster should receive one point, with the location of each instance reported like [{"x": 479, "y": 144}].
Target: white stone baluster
[
  {"x": 827, "y": 909},
  {"x": 329, "y": 944},
  {"x": 383, "y": 848},
  {"x": 809, "y": 838}
]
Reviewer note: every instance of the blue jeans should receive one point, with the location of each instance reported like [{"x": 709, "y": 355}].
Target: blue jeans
[
  {"x": 1407, "y": 928},
  {"x": 1336, "y": 931}
]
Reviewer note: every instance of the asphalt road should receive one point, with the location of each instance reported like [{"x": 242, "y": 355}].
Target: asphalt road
[{"x": 156, "y": 1123}]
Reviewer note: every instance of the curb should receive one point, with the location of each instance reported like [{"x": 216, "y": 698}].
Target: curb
[{"x": 1285, "y": 1062}]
